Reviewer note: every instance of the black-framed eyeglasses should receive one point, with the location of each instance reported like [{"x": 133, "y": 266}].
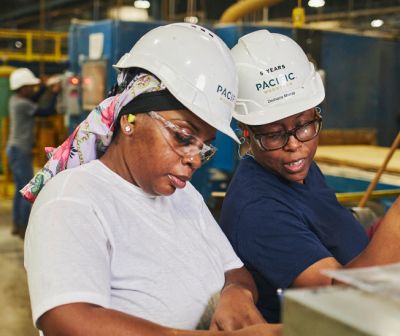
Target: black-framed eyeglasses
[
  {"x": 183, "y": 143},
  {"x": 276, "y": 140}
]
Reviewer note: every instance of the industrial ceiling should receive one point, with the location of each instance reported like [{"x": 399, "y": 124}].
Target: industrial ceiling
[{"x": 356, "y": 15}]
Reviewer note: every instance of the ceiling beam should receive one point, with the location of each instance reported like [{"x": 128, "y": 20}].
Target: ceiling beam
[{"x": 34, "y": 9}]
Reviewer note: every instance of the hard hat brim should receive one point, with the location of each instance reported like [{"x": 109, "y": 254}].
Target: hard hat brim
[{"x": 31, "y": 82}]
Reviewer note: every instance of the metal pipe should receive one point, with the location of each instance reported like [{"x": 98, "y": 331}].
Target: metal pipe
[
  {"x": 96, "y": 9},
  {"x": 42, "y": 29},
  {"x": 171, "y": 9},
  {"x": 242, "y": 8},
  {"x": 191, "y": 8}
]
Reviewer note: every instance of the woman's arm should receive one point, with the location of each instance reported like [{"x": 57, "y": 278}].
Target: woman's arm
[
  {"x": 384, "y": 247},
  {"x": 83, "y": 319}
]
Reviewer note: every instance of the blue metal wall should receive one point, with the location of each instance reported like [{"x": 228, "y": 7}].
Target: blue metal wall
[
  {"x": 362, "y": 84},
  {"x": 119, "y": 37}
]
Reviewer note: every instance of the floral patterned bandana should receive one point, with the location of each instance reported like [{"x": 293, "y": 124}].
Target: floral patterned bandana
[{"x": 92, "y": 136}]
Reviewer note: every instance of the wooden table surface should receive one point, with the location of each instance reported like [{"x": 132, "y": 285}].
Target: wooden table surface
[{"x": 360, "y": 156}]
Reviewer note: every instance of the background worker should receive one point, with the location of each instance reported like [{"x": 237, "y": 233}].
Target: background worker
[
  {"x": 124, "y": 244},
  {"x": 23, "y": 107},
  {"x": 282, "y": 219}
]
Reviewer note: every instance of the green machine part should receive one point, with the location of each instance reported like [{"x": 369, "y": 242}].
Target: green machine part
[{"x": 5, "y": 94}]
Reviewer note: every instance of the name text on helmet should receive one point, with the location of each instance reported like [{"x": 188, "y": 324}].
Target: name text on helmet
[{"x": 280, "y": 80}]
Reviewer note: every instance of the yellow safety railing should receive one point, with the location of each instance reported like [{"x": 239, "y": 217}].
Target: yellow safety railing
[
  {"x": 33, "y": 45},
  {"x": 343, "y": 197}
]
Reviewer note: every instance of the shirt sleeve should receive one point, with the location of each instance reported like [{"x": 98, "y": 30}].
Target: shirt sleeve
[
  {"x": 277, "y": 242},
  {"x": 66, "y": 257},
  {"x": 27, "y": 107}
]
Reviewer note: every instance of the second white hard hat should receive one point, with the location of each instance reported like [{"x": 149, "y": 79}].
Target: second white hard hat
[
  {"x": 276, "y": 79},
  {"x": 21, "y": 77},
  {"x": 196, "y": 67}
]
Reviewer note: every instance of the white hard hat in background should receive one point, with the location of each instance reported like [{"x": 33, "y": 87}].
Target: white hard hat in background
[
  {"x": 55, "y": 79},
  {"x": 276, "y": 79},
  {"x": 196, "y": 67},
  {"x": 22, "y": 77}
]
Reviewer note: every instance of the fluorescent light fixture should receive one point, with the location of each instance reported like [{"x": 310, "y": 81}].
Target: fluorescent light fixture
[
  {"x": 191, "y": 19},
  {"x": 128, "y": 13},
  {"x": 142, "y": 4},
  {"x": 377, "y": 23},
  {"x": 316, "y": 3}
]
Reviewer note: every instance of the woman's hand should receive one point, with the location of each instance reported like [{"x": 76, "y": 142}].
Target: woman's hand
[
  {"x": 263, "y": 329},
  {"x": 235, "y": 310}
]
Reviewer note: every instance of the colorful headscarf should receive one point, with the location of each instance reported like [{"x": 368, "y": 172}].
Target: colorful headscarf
[{"x": 91, "y": 138}]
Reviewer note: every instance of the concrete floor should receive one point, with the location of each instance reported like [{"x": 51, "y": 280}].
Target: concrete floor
[{"x": 15, "y": 313}]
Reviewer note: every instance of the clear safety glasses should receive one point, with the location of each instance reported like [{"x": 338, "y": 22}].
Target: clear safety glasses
[
  {"x": 276, "y": 140},
  {"x": 183, "y": 143}
]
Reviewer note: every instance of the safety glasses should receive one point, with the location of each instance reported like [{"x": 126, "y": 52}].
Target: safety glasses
[
  {"x": 183, "y": 143},
  {"x": 276, "y": 140}
]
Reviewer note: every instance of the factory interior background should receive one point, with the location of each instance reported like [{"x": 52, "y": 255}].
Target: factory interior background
[{"x": 354, "y": 44}]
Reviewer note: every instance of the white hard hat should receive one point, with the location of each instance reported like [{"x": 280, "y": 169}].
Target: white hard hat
[
  {"x": 55, "y": 79},
  {"x": 196, "y": 67},
  {"x": 276, "y": 79},
  {"x": 22, "y": 77}
]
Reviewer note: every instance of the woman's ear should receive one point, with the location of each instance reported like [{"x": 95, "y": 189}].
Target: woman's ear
[
  {"x": 245, "y": 144},
  {"x": 126, "y": 123}
]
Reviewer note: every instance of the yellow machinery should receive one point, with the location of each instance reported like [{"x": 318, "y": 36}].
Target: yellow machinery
[
  {"x": 5, "y": 92},
  {"x": 31, "y": 45},
  {"x": 49, "y": 132}
]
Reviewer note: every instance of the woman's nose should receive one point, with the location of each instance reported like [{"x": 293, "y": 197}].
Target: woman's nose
[
  {"x": 192, "y": 160},
  {"x": 292, "y": 143}
]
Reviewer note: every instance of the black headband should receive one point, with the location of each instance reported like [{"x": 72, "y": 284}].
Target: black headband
[{"x": 152, "y": 101}]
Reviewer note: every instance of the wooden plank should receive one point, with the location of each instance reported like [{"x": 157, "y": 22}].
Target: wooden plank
[
  {"x": 359, "y": 156},
  {"x": 353, "y": 136}
]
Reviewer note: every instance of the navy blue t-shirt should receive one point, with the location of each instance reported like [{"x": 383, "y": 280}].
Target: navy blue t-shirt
[{"x": 279, "y": 228}]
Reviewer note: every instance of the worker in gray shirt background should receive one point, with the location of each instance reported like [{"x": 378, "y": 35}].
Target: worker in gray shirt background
[{"x": 23, "y": 107}]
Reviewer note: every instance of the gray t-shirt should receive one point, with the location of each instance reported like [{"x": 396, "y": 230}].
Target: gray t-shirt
[{"x": 21, "y": 111}]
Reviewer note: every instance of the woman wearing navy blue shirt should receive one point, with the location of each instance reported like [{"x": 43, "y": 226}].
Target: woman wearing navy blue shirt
[{"x": 280, "y": 216}]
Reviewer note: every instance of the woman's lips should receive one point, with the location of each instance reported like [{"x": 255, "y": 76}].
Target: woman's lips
[
  {"x": 295, "y": 166},
  {"x": 177, "y": 182}
]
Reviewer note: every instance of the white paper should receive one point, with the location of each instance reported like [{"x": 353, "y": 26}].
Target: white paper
[
  {"x": 381, "y": 280},
  {"x": 96, "y": 42}
]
